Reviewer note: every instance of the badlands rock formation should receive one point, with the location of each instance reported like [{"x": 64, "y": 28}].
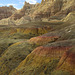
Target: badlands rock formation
[
  {"x": 6, "y": 12},
  {"x": 47, "y": 10},
  {"x": 25, "y": 11},
  {"x": 39, "y": 39}
]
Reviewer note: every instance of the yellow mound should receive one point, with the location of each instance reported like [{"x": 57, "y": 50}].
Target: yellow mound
[{"x": 70, "y": 17}]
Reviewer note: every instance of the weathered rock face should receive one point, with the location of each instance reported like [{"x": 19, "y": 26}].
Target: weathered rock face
[
  {"x": 42, "y": 60},
  {"x": 56, "y": 6},
  {"x": 6, "y": 12},
  {"x": 49, "y": 8},
  {"x": 67, "y": 7},
  {"x": 25, "y": 51},
  {"x": 70, "y": 17},
  {"x": 67, "y": 61},
  {"x": 37, "y": 11},
  {"x": 23, "y": 12}
]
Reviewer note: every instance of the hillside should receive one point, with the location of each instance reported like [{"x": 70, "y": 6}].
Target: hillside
[
  {"x": 39, "y": 39},
  {"x": 46, "y": 11},
  {"x": 6, "y": 12}
]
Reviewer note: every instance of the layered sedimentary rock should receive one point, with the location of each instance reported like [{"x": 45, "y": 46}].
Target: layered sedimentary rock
[
  {"x": 52, "y": 7},
  {"x": 6, "y": 12},
  {"x": 9, "y": 61},
  {"x": 39, "y": 48},
  {"x": 47, "y": 10},
  {"x": 25, "y": 11},
  {"x": 70, "y": 17},
  {"x": 66, "y": 63},
  {"x": 43, "y": 60}
]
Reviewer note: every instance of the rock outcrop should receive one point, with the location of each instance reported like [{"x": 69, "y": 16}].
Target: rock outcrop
[
  {"x": 48, "y": 9},
  {"x": 70, "y": 17},
  {"x": 67, "y": 62},
  {"x": 39, "y": 39},
  {"x": 52, "y": 7},
  {"x": 6, "y": 12},
  {"x": 43, "y": 60},
  {"x": 25, "y": 11}
]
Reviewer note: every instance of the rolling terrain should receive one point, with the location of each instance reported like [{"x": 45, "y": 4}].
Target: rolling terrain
[{"x": 36, "y": 41}]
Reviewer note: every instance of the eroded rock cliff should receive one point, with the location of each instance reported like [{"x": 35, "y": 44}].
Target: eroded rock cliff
[{"x": 6, "y": 12}]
